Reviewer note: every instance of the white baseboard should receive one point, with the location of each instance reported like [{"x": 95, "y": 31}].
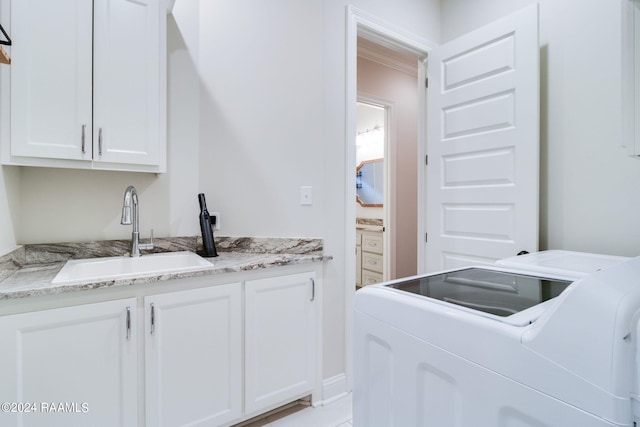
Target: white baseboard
[{"x": 334, "y": 388}]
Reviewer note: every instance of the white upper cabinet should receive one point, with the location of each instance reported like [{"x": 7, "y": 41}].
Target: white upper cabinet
[
  {"x": 51, "y": 82},
  {"x": 88, "y": 84},
  {"x": 128, "y": 72}
]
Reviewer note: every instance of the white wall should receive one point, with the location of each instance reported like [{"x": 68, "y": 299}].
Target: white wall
[
  {"x": 261, "y": 115},
  {"x": 589, "y": 192}
]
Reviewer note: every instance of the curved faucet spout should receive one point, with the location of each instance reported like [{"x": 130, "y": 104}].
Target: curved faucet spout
[
  {"x": 129, "y": 195},
  {"x": 130, "y": 203}
]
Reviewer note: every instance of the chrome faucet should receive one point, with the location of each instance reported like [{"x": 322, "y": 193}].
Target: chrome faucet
[{"x": 131, "y": 197}]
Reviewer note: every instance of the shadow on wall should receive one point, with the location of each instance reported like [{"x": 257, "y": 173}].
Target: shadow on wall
[
  {"x": 9, "y": 212},
  {"x": 543, "y": 242}
]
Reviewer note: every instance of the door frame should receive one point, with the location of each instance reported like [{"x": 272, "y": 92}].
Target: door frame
[{"x": 361, "y": 23}]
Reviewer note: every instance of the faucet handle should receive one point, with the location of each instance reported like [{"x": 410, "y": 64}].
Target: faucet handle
[{"x": 147, "y": 246}]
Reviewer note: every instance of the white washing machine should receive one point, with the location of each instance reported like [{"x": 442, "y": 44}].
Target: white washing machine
[
  {"x": 525, "y": 343},
  {"x": 566, "y": 263}
]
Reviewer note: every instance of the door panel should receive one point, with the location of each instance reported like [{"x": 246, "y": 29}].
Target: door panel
[{"x": 483, "y": 131}]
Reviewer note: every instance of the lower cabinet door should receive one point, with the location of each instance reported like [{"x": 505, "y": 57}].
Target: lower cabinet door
[
  {"x": 68, "y": 367},
  {"x": 279, "y": 340},
  {"x": 193, "y": 357}
]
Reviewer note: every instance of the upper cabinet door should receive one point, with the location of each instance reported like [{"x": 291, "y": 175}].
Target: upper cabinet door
[
  {"x": 51, "y": 79},
  {"x": 483, "y": 141},
  {"x": 129, "y": 70}
]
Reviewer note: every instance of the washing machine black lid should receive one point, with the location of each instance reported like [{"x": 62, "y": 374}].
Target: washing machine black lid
[{"x": 495, "y": 292}]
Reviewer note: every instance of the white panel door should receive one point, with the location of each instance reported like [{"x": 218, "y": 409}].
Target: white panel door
[
  {"x": 193, "y": 357},
  {"x": 279, "y": 340},
  {"x": 482, "y": 140},
  {"x": 84, "y": 357},
  {"x": 51, "y": 79},
  {"x": 128, "y": 107}
]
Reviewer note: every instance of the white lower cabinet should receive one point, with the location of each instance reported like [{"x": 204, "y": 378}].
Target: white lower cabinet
[
  {"x": 201, "y": 354},
  {"x": 280, "y": 340},
  {"x": 67, "y": 367},
  {"x": 193, "y": 357}
]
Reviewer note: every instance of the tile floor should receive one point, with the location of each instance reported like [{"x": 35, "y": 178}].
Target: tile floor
[{"x": 335, "y": 414}]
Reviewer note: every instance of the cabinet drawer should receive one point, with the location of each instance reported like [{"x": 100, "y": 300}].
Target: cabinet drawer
[
  {"x": 372, "y": 242},
  {"x": 371, "y": 261},
  {"x": 370, "y": 277}
]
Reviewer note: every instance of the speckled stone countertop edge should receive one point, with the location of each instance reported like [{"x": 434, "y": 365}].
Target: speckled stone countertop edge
[
  {"x": 369, "y": 224},
  {"x": 22, "y": 276},
  {"x": 369, "y": 221}
]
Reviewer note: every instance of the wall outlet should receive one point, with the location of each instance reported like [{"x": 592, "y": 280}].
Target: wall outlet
[{"x": 216, "y": 223}]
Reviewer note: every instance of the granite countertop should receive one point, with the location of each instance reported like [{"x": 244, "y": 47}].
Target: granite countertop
[
  {"x": 369, "y": 224},
  {"x": 29, "y": 270}
]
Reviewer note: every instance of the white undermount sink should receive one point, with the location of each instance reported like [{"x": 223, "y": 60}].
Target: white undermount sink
[{"x": 96, "y": 269}]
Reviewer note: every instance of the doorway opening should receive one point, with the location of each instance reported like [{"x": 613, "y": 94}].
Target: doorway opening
[
  {"x": 386, "y": 232},
  {"x": 373, "y": 192}
]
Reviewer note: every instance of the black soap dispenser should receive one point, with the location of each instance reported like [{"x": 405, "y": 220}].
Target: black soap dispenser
[{"x": 205, "y": 227}]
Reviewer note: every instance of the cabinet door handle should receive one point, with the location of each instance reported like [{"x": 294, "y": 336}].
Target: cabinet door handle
[
  {"x": 313, "y": 289},
  {"x": 128, "y": 323},
  {"x": 84, "y": 127},
  {"x": 153, "y": 319},
  {"x": 100, "y": 141}
]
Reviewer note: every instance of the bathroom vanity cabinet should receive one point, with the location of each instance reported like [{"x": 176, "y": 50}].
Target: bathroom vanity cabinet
[
  {"x": 369, "y": 257},
  {"x": 212, "y": 350},
  {"x": 87, "y": 85}
]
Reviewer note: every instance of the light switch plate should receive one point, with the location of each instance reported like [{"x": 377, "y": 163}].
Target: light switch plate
[{"x": 306, "y": 196}]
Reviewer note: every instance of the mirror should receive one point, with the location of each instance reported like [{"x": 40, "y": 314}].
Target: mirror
[
  {"x": 370, "y": 142},
  {"x": 370, "y": 183}
]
